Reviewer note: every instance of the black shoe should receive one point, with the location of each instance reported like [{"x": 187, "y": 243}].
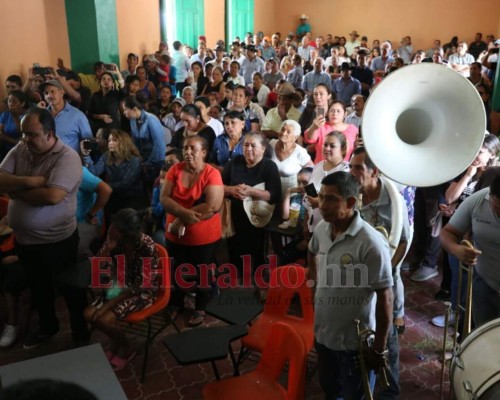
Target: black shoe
[
  {"x": 442, "y": 295},
  {"x": 36, "y": 339}
]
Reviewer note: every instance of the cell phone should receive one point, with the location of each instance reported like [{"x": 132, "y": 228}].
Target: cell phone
[
  {"x": 109, "y": 67},
  {"x": 310, "y": 190},
  {"x": 90, "y": 145},
  {"x": 321, "y": 112},
  {"x": 41, "y": 71}
]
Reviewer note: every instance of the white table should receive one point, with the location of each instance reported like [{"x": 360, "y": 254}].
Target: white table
[{"x": 86, "y": 366}]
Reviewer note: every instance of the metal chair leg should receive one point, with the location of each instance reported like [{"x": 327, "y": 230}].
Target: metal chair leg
[
  {"x": 146, "y": 352},
  {"x": 216, "y": 371}
]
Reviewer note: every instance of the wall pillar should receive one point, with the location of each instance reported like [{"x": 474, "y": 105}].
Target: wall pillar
[{"x": 93, "y": 33}]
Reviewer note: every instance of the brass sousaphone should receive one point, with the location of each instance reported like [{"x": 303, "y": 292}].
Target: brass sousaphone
[{"x": 422, "y": 126}]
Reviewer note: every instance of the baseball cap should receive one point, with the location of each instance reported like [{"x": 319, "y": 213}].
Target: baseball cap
[
  {"x": 180, "y": 101},
  {"x": 51, "y": 82}
]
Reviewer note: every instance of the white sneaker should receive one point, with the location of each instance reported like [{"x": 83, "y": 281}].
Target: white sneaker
[
  {"x": 8, "y": 336},
  {"x": 424, "y": 273},
  {"x": 439, "y": 320}
]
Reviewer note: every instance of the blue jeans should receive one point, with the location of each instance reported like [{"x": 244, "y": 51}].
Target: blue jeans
[
  {"x": 340, "y": 374},
  {"x": 455, "y": 275},
  {"x": 485, "y": 301}
]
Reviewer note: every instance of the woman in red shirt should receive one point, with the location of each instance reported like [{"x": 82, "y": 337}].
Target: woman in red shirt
[{"x": 192, "y": 196}]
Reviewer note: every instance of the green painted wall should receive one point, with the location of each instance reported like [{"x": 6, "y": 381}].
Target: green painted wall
[{"x": 93, "y": 33}]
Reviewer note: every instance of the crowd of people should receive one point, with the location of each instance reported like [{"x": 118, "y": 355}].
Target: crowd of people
[{"x": 259, "y": 127}]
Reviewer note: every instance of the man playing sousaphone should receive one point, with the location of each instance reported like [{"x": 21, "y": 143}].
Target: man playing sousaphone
[
  {"x": 375, "y": 207},
  {"x": 351, "y": 264}
]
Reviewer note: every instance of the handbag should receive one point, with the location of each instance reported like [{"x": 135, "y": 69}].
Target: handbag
[{"x": 227, "y": 221}]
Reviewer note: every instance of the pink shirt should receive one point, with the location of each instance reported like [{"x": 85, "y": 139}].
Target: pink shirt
[{"x": 351, "y": 132}]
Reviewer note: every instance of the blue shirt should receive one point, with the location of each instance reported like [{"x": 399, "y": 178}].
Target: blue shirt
[
  {"x": 72, "y": 126},
  {"x": 147, "y": 133},
  {"x": 9, "y": 129},
  {"x": 268, "y": 52},
  {"x": 344, "y": 90},
  {"x": 221, "y": 154},
  {"x": 295, "y": 77},
  {"x": 313, "y": 78},
  {"x": 86, "y": 195},
  {"x": 249, "y": 67},
  {"x": 378, "y": 63}
]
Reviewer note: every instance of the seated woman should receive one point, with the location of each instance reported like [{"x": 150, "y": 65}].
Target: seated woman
[
  {"x": 317, "y": 104},
  {"x": 216, "y": 84},
  {"x": 124, "y": 174},
  {"x": 260, "y": 91},
  {"x": 193, "y": 125},
  {"x": 288, "y": 155},
  {"x": 241, "y": 176},
  {"x": 114, "y": 304},
  {"x": 334, "y": 121},
  {"x": 192, "y": 196},
  {"x": 241, "y": 101},
  {"x": 197, "y": 79},
  {"x": 163, "y": 105},
  {"x": 230, "y": 143},
  {"x": 10, "y": 120},
  {"x": 104, "y": 109},
  {"x": 146, "y": 87},
  {"x": 334, "y": 151}
]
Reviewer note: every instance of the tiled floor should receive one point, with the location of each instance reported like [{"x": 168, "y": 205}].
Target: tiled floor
[{"x": 420, "y": 348}]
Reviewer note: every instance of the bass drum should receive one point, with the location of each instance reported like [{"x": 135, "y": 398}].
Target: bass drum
[{"x": 475, "y": 368}]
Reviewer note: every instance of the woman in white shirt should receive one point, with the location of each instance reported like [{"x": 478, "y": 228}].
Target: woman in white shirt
[
  {"x": 260, "y": 90},
  {"x": 288, "y": 155},
  {"x": 334, "y": 151}
]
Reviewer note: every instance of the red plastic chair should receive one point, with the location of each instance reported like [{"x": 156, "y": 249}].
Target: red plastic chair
[
  {"x": 149, "y": 319},
  {"x": 284, "y": 344},
  {"x": 283, "y": 287},
  {"x": 8, "y": 243}
]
